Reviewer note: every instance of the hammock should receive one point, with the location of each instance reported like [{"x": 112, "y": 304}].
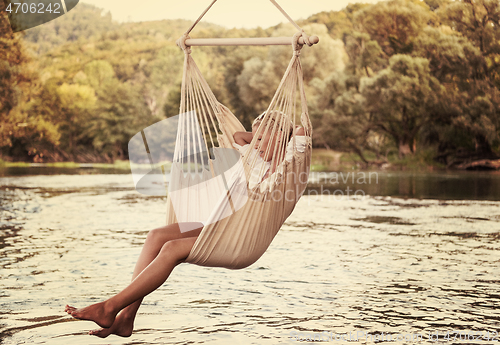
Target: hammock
[{"x": 240, "y": 220}]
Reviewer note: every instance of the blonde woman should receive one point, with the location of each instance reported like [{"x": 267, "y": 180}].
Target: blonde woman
[
  {"x": 266, "y": 143},
  {"x": 166, "y": 247}
]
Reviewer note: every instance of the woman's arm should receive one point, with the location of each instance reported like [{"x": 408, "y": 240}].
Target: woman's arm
[
  {"x": 299, "y": 131},
  {"x": 242, "y": 138}
]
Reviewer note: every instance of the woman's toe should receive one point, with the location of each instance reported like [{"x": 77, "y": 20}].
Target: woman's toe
[{"x": 69, "y": 309}]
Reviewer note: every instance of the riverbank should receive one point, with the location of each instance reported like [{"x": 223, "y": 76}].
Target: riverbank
[
  {"x": 330, "y": 160},
  {"x": 118, "y": 164},
  {"x": 422, "y": 161},
  {"x": 322, "y": 160}
]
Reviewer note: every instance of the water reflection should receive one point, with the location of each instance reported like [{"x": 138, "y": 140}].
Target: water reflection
[
  {"x": 470, "y": 185},
  {"x": 379, "y": 264}
]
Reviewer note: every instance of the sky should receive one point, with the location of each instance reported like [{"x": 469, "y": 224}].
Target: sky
[{"x": 228, "y": 13}]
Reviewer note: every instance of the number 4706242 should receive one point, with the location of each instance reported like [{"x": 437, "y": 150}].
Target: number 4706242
[{"x": 33, "y": 8}]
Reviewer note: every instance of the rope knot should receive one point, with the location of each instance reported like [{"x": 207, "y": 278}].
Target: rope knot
[
  {"x": 305, "y": 37},
  {"x": 295, "y": 42},
  {"x": 181, "y": 43}
]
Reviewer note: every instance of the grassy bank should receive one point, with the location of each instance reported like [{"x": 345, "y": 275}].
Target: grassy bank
[
  {"x": 329, "y": 160},
  {"x": 322, "y": 160},
  {"x": 118, "y": 164}
]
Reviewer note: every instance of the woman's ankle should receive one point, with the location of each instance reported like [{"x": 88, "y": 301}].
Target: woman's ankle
[
  {"x": 110, "y": 308},
  {"x": 128, "y": 315}
]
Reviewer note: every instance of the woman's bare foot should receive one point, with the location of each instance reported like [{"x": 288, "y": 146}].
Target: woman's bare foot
[
  {"x": 123, "y": 327},
  {"x": 95, "y": 312}
]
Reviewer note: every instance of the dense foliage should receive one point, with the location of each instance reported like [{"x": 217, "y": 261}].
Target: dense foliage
[{"x": 393, "y": 78}]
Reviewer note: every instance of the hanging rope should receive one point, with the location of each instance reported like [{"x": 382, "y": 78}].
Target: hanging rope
[
  {"x": 307, "y": 40},
  {"x": 240, "y": 219},
  {"x": 199, "y": 18}
]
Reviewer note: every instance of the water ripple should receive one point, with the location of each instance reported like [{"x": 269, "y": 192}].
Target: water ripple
[{"x": 380, "y": 265}]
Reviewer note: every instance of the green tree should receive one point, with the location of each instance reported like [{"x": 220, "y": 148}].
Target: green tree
[
  {"x": 164, "y": 75},
  {"x": 339, "y": 23},
  {"x": 365, "y": 55},
  {"x": 13, "y": 77},
  {"x": 82, "y": 23},
  {"x": 393, "y": 24},
  {"x": 77, "y": 102},
  {"x": 399, "y": 97},
  {"x": 350, "y": 114},
  {"x": 260, "y": 76},
  {"x": 479, "y": 80},
  {"x": 120, "y": 113},
  {"x": 97, "y": 74},
  {"x": 24, "y": 133},
  {"x": 479, "y": 21}
]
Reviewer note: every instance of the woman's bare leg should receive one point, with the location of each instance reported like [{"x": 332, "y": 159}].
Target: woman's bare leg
[
  {"x": 153, "y": 276},
  {"x": 154, "y": 241},
  {"x": 124, "y": 322}
]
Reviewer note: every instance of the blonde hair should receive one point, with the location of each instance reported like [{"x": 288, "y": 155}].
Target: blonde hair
[{"x": 284, "y": 123}]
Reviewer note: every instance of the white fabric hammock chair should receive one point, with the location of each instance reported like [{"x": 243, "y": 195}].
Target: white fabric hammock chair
[{"x": 239, "y": 222}]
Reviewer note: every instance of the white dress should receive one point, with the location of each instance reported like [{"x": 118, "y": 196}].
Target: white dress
[{"x": 261, "y": 167}]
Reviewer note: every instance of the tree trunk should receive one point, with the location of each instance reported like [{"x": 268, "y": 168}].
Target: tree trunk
[
  {"x": 358, "y": 151},
  {"x": 483, "y": 147},
  {"x": 404, "y": 148}
]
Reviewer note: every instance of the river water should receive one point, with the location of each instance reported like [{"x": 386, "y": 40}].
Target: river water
[{"x": 406, "y": 259}]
